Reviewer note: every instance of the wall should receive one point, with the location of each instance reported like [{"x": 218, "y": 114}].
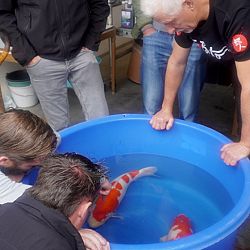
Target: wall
[{"x": 120, "y": 41}]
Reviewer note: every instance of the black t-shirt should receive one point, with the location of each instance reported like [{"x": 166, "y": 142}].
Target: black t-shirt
[{"x": 225, "y": 34}]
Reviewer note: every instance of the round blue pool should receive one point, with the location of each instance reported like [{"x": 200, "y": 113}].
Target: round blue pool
[{"x": 191, "y": 179}]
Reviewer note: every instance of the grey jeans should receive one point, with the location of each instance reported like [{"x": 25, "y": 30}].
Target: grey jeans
[{"x": 49, "y": 79}]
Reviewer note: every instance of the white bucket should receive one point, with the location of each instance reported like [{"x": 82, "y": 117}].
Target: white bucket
[{"x": 24, "y": 97}]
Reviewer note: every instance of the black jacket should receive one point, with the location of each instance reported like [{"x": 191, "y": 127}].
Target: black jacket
[
  {"x": 52, "y": 29},
  {"x": 27, "y": 224}
]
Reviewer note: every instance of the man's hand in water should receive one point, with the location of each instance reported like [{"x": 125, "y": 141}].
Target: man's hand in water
[{"x": 105, "y": 186}]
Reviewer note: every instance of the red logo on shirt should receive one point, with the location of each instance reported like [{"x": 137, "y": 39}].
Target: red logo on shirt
[{"x": 239, "y": 43}]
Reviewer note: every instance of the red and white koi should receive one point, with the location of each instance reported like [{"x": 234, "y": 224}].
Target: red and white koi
[
  {"x": 105, "y": 206},
  {"x": 181, "y": 227}
]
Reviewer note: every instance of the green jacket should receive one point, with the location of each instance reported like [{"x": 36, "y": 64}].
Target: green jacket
[{"x": 140, "y": 19}]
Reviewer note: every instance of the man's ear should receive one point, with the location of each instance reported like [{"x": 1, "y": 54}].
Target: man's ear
[
  {"x": 189, "y": 4},
  {"x": 5, "y": 161},
  {"x": 80, "y": 214},
  {"x": 84, "y": 209}
]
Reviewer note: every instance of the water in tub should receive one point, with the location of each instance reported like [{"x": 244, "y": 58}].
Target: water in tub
[{"x": 151, "y": 203}]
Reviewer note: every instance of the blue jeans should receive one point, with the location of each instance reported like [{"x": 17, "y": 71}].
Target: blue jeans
[{"x": 155, "y": 54}]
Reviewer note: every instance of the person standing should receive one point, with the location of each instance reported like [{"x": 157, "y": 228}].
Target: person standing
[
  {"x": 221, "y": 28},
  {"x": 156, "y": 50},
  {"x": 55, "y": 41}
]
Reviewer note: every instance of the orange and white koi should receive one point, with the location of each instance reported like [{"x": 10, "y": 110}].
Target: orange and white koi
[
  {"x": 181, "y": 227},
  {"x": 105, "y": 206}
]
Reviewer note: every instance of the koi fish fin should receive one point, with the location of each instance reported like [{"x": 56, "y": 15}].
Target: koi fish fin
[
  {"x": 157, "y": 175},
  {"x": 117, "y": 216},
  {"x": 150, "y": 170},
  {"x": 164, "y": 238}
]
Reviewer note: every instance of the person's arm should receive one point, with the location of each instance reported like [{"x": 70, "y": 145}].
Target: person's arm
[
  {"x": 22, "y": 50},
  {"x": 99, "y": 11},
  {"x": 148, "y": 30},
  {"x": 10, "y": 190},
  {"x": 142, "y": 23},
  {"x": 231, "y": 153},
  {"x": 93, "y": 240},
  {"x": 174, "y": 74}
]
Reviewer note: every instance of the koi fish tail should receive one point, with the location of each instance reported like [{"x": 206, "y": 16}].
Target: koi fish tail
[{"x": 147, "y": 171}]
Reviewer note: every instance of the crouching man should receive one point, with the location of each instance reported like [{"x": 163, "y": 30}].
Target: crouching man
[{"x": 49, "y": 214}]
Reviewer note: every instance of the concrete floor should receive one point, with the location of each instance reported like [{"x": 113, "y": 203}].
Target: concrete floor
[{"x": 216, "y": 111}]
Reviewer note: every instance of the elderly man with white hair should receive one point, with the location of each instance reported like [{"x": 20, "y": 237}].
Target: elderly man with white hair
[{"x": 222, "y": 29}]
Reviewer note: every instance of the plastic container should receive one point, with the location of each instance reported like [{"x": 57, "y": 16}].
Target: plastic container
[
  {"x": 191, "y": 143},
  {"x": 188, "y": 142},
  {"x": 21, "y": 89}
]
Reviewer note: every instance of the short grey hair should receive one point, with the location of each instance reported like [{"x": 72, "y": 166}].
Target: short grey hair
[{"x": 168, "y": 7}]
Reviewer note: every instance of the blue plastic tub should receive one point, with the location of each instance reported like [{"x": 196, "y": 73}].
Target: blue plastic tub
[{"x": 118, "y": 137}]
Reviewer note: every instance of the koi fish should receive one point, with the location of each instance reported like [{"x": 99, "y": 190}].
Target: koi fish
[
  {"x": 105, "y": 206},
  {"x": 181, "y": 227}
]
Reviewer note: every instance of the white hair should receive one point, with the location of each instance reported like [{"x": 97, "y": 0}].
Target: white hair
[{"x": 168, "y": 7}]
